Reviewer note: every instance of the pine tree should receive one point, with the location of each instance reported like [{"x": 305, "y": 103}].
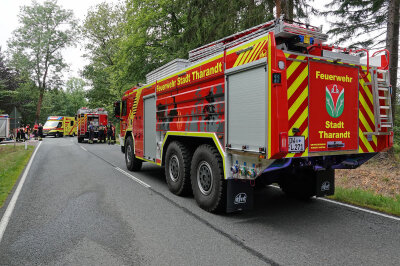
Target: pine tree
[{"x": 372, "y": 24}]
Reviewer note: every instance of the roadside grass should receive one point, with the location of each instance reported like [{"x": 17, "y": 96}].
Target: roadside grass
[
  {"x": 12, "y": 163},
  {"x": 368, "y": 199}
]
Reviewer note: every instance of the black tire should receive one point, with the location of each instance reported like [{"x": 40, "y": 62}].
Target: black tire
[
  {"x": 177, "y": 168},
  {"x": 80, "y": 140},
  {"x": 300, "y": 185},
  {"x": 132, "y": 163},
  {"x": 57, "y": 135},
  {"x": 122, "y": 148},
  {"x": 207, "y": 176}
]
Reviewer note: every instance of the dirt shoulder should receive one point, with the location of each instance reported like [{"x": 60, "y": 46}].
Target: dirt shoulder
[{"x": 380, "y": 175}]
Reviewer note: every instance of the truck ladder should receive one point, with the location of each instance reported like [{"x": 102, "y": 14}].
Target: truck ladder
[{"x": 381, "y": 92}]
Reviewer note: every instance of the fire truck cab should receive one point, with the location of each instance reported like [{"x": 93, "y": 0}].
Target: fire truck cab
[
  {"x": 97, "y": 117},
  {"x": 271, "y": 104}
]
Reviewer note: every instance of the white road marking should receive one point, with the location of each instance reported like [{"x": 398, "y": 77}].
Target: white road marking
[
  {"x": 82, "y": 148},
  {"x": 354, "y": 207},
  {"x": 133, "y": 178},
  {"x": 10, "y": 208}
]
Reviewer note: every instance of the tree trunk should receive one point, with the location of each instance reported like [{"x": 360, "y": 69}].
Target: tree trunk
[
  {"x": 278, "y": 8},
  {"x": 39, "y": 105},
  {"x": 392, "y": 44}
]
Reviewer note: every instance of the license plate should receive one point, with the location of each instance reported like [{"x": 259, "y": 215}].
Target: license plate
[{"x": 296, "y": 144}]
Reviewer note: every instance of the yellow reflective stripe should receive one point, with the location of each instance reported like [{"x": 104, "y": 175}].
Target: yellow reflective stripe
[
  {"x": 197, "y": 134},
  {"x": 367, "y": 91},
  {"x": 251, "y": 53},
  {"x": 365, "y": 141},
  {"x": 148, "y": 160},
  {"x": 257, "y": 52},
  {"x": 367, "y": 127},
  {"x": 269, "y": 96},
  {"x": 301, "y": 119},
  {"x": 367, "y": 109},
  {"x": 293, "y": 66},
  {"x": 238, "y": 60},
  {"x": 297, "y": 82},
  {"x": 244, "y": 46},
  {"x": 298, "y": 102}
]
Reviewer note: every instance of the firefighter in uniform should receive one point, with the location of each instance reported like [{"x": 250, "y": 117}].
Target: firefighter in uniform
[
  {"x": 91, "y": 133},
  {"x": 109, "y": 133},
  {"x": 40, "y": 131},
  {"x": 35, "y": 131},
  {"x": 101, "y": 134}
]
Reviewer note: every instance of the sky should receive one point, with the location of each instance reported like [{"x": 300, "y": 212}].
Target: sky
[{"x": 9, "y": 10}]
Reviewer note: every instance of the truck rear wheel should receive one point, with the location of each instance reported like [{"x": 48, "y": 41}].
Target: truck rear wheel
[
  {"x": 207, "y": 178},
  {"x": 177, "y": 168},
  {"x": 300, "y": 185},
  {"x": 80, "y": 140},
  {"x": 132, "y": 163}
]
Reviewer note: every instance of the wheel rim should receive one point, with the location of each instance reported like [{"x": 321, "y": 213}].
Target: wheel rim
[
  {"x": 204, "y": 178},
  {"x": 174, "y": 168},
  {"x": 128, "y": 153}
]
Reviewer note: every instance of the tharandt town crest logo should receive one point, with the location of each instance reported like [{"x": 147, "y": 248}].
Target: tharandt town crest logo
[{"x": 334, "y": 100}]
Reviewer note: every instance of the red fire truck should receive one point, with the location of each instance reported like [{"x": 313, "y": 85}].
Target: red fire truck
[
  {"x": 271, "y": 104},
  {"x": 97, "y": 117}
]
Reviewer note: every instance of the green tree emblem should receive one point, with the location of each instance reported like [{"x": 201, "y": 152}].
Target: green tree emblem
[{"x": 334, "y": 100}]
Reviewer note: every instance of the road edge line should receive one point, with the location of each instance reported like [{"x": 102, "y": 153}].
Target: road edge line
[
  {"x": 355, "y": 207},
  {"x": 132, "y": 177},
  {"x": 11, "y": 205}
]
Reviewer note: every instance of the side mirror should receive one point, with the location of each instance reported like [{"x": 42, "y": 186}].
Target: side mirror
[{"x": 117, "y": 109}]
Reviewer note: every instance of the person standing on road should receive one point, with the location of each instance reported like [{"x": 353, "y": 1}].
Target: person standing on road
[
  {"x": 22, "y": 133},
  {"x": 27, "y": 132},
  {"x": 35, "y": 131},
  {"x": 40, "y": 131},
  {"x": 91, "y": 133},
  {"x": 109, "y": 133},
  {"x": 101, "y": 134}
]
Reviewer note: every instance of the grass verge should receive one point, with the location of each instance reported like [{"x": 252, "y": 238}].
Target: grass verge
[
  {"x": 12, "y": 163},
  {"x": 368, "y": 199}
]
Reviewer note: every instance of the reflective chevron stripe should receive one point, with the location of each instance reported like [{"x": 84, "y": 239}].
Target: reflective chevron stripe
[
  {"x": 366, "y": 116},
  {"x": 297, "y": 82}
]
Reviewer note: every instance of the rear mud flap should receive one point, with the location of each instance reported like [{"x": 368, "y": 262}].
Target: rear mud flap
[
  {"x": 239, "y": 195},
  {"x": 325, "y": 182}
]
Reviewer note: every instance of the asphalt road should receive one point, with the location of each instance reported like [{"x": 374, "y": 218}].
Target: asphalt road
[{"x": 78, "y": 208}]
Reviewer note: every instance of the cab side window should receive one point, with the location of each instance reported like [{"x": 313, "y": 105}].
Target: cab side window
[{"x": 123, "y": 108}]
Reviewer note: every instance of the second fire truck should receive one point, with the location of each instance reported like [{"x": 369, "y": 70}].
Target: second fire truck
[
  {"x": 271, "y": 104},
  {"x": 97, "y": 117}
]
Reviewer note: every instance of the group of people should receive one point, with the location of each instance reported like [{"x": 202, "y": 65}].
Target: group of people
[
  {"x": 105, "y": 133},
  {"x": 24, "y": 132}
]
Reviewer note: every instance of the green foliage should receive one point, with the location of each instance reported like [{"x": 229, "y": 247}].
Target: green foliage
[
  {"x": 12, "y": 163},
  {"x": 368, "y": 199},
  {"x": 9, "y": 82},
  {"x": 127, "y": 42},
  {"x": 355, "y": 18},
  {"x": 36, "y": 45}
]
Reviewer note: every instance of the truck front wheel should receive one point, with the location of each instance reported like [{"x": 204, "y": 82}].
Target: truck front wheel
[
  {"x": 177, "y": 168},
  {"x": 207, "y": 178},
  {"x": 132, "y": 163}
]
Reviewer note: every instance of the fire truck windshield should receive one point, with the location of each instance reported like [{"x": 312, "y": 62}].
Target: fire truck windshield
[{"x": 51, "y": 123}]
